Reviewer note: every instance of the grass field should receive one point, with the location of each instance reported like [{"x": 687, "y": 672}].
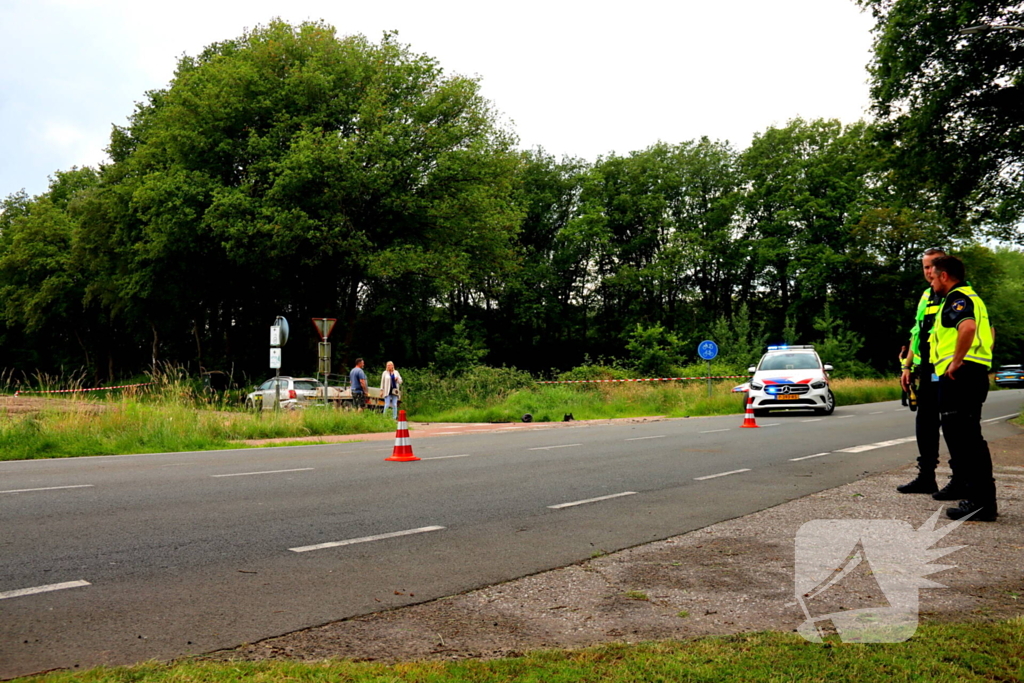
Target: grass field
[
  {"x": 172, "y": 416},
  {"x": 946, "y": 652}
]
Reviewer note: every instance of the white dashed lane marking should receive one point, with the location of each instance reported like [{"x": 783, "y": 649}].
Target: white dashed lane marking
[
  {"x": 548, "y": 448},
  {"x": 808, "y": 457},
  {"x": 365, "y": 539},
  {"x": 641, "y": 438},
  {"x": 43, "y": 589},
  {"x": 720, "y": 474},
  {"x": 249, "y": 474},
  {"x": 51, "y": 488},
  {"x": 591, "y": 500}
]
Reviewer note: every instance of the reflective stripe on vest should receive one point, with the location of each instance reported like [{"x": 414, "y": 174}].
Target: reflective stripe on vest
[
  {"x": 923, "y": 311},
  {"x": 943, "y": 339}
]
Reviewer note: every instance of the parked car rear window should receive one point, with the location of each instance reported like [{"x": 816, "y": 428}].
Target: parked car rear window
[{"x": 308, "y": 386}]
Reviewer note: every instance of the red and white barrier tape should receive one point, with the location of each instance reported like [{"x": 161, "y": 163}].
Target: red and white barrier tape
[
  {"x": 649, "y": 379},
  {"x": 75, "y": 391}
]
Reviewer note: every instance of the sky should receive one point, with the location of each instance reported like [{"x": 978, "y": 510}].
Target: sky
[{"x": 580, "y": 79}]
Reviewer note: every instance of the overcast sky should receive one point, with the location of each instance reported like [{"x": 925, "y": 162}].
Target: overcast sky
[{"x": 577, "y": 78}]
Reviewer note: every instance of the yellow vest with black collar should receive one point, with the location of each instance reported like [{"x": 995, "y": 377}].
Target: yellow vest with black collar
[{"x": 943, "y": 339}]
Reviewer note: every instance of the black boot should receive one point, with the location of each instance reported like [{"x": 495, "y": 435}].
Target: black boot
[
  {"x": 953, "y": 490},
  {"x": 923, "y": 483},
  {"x": 983, "y": 512}
]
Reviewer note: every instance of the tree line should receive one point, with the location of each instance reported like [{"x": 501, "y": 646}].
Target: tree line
[{"x": 296, "y": 172}]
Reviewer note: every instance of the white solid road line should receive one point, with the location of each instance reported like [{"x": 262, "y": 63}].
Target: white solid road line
[
  {"x": 442, "y": 457},
  {"x": 548, "y": 448},
  {"x": 366, "y": 539},
  {"x": 1004, "y": 417},
  {"x": 51, "y": 488},
  {"x": 43, "y": 589},
  {"x": 591, "y": 500},
  {"x": 872, "y": 446},
  {"x": 641, "y": 438},
  {"x": 247, "y": 474},
  {"x": 720, "y": 474},
  {"x": 808, "y": 457}
]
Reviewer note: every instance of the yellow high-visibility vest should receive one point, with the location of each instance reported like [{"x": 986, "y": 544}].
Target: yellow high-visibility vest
[
  {"x": 923, "y": 310},
  {"x": 943, "y": 339}
]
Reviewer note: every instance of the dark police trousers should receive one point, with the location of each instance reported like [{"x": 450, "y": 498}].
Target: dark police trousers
[
  {"x": 927, "y": 423},
  {"x": 960, "y": 402}
]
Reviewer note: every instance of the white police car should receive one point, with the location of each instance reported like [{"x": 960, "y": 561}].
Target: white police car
[{"x": 788, "y": 378}]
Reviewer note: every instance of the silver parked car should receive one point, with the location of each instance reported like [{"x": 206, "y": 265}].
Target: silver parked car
[{"x": 296, "y": 392}]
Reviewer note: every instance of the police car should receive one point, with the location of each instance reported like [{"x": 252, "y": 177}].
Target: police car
[{"x": 788, "y": 378}]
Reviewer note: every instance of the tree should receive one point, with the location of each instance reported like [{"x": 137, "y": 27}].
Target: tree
[
  {"x": 291, "y": 171},
  {"x": 950, "y": 106}
]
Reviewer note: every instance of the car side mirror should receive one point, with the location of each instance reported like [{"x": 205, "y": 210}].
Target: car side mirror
[
  {"x": 752, "y": 368},
  {"x": 828, "y": 368}
]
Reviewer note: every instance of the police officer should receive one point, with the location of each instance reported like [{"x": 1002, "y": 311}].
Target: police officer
[
  {"x": 918, "y": 367},
  {"x": 961, "y": 351}
]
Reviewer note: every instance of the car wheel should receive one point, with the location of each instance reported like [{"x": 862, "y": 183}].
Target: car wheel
[
  {"x": 250, "y": 404},
  {"x": 830, "y": 404}
]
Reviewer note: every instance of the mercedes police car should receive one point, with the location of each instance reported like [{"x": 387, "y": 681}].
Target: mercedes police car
[{"x": 790, "y": 377}]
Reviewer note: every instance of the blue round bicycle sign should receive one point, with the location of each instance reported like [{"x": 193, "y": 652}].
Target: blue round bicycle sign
[{"x": 707, "y": 349}]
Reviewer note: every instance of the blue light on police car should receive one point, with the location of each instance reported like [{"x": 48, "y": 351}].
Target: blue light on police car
[{"x": 781, "y": 347}]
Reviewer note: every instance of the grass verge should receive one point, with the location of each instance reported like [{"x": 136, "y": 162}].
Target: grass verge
[
  {"x": 551, "y": 402},
  {"x": 175, "y": 419},
  {"x": 129, "y": 426},
  {"x": 938, "y": 652}
]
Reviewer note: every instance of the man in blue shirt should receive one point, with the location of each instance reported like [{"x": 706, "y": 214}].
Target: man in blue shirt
[{"x": 357, "y": 381}]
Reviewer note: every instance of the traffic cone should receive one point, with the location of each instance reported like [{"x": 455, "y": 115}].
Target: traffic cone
[
  {"x": 748, "y": 419},
  {"x": 403, "y": 448}
]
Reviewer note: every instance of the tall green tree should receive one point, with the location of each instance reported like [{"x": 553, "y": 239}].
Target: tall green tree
[
  {"x": 293, "y": 171},
  {"x": 951, "y": 105}
]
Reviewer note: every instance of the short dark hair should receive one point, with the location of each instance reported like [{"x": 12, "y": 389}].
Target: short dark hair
[
  {"x": 932, "y": 251},
  {"x": 950, "y": 265},
  {"x": 358, "y": 361}
]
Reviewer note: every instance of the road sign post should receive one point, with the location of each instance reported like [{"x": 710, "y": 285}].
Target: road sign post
[
  {"x": 278, "y": 338},
  {"x": 707, "y": 350},
  {"x": 324, "y": 326}
]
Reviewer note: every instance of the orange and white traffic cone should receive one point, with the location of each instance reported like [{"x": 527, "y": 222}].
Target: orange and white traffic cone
[
  {"x": 403, "y": 447},
  {"x": 748, "y": 419}
]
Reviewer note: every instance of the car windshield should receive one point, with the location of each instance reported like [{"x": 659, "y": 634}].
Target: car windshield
[
  {"x": 1014, "y": 368},
  {"x": 790, "y": 361}
]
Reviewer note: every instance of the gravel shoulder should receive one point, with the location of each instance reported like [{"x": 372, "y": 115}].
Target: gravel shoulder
[{"x": 730, "y": 577}]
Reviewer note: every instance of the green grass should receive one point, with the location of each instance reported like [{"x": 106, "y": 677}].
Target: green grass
[
  {"x": 130, "y": 426},
  {"x": 172, "y": 416},
  {"x": 946, "y": 652},
  {"x": 551, "y": 402}
]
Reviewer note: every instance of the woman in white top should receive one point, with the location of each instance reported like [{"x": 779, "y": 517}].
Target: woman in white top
[{"x": 390, "y": 383}]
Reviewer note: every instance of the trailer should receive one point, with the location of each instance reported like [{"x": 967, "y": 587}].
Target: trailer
[{"x": 341, "y": 397}]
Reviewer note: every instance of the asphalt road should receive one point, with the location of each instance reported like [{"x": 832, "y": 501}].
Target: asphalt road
[{"x": 115, "y": 560}]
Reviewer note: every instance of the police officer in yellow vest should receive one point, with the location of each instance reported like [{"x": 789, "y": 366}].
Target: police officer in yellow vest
[
  {"x": 961, "y": 351},
  {"x": 918, "y": 366}
]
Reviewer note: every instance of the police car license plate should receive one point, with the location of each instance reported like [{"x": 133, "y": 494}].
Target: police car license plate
[{"x": 787, "y": 397}]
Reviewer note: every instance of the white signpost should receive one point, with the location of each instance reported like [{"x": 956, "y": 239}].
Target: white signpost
[{"x": 278, "y": 338}]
